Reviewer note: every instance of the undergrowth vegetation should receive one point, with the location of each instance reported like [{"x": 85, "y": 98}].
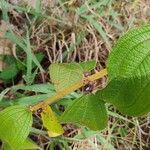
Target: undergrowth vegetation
[{"x": 34, "y": 35}]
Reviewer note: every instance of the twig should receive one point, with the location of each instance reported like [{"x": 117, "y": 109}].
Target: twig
[{"x": 68, "y": 90}]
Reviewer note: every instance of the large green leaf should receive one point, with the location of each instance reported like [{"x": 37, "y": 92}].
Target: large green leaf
[
  {"x": 15, "y": 124},
  {"x": 6, "y": 146},
  {"x": 131, "y": 96},
  {"x": 129, "y": 73},
  {"x": 88, "y": 111},
  {"x": 131, "y": 54}
]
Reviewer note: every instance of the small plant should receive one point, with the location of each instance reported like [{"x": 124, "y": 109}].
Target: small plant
[{"x": 128, "y": 88}]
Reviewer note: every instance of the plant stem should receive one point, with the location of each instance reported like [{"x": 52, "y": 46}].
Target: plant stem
[{"x": 68, "y": 90}]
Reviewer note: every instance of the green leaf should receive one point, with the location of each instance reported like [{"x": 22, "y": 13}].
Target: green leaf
[
  {"x": 6, "y": 146},
  {"x": 31, "y": 100},
  {"x": 8, "y": 59},
  {"x": 39, "y": 56},
  {"x": 88, "y": 66},
  {"x": 51, "y": 123},
  {"x": 15, "y": 122},
  {"x": 130, "y": 96},
  {"x": 29, "y": 144},
  {"x": 39, "y": 88},
  {"x": 65, "y": 75},
  {"x": 131, "y": 55},
  {"x": 9, "y": 72},
  {"x": 5, "y": 103},
  {"x": 129, "y": 73},
  {"x": 88, "y": 111}
]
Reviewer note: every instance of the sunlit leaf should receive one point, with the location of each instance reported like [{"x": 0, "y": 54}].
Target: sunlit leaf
[
  {"x": 30, "y": 145},
  {"x": 51, "y": 122},
  {"x": 27, "y": 145},
  {"x": 15, "y": 124},
  {"x": 6, "y": 146}
]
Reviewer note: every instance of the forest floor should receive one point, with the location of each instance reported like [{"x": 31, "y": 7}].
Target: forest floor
[{"x": 69, "y": 31}]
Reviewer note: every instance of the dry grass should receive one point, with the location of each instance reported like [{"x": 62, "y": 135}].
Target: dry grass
[{"x": 76, "y": 30}]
